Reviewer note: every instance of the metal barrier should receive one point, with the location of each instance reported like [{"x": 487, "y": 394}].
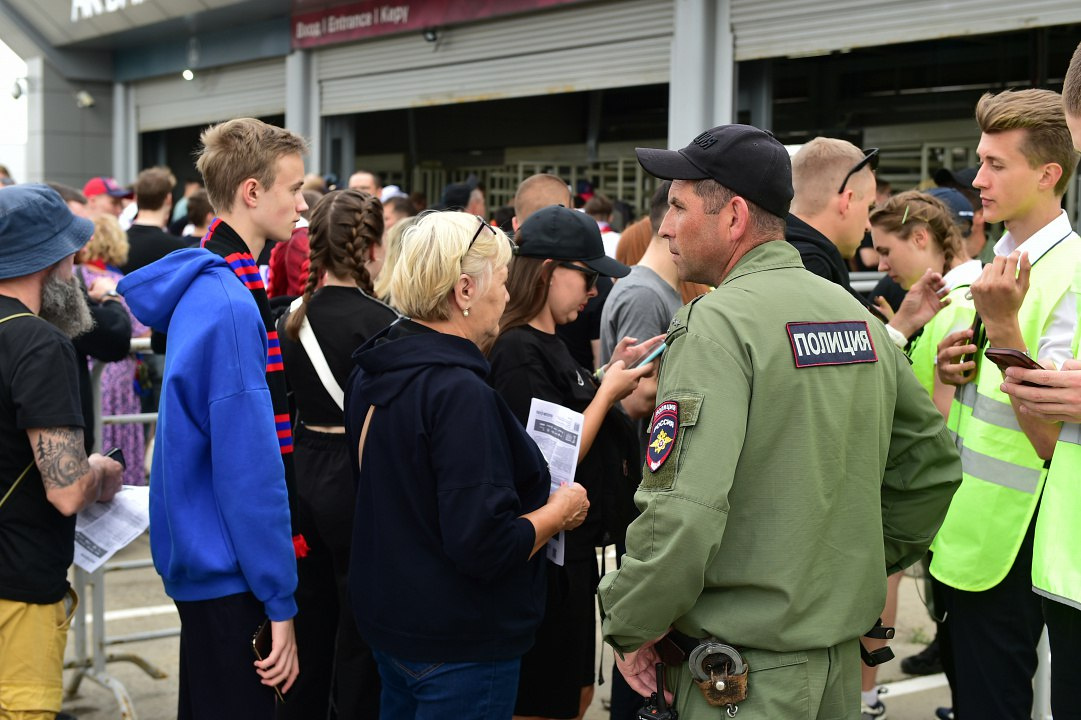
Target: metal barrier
[
  {"x": 93, "y": 665},
  {"x": 864, "y": 282}
]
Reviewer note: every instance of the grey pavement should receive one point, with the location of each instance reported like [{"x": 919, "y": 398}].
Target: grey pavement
[{"x": 135, "y": 602}]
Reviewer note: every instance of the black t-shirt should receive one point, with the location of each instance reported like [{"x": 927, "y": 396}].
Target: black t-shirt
[
  {"x": 528, "y": 363},
  {"x": 342, "y": 319},
  {"x": 147, "y": 244},
  {"x": 38, "y": 389}
]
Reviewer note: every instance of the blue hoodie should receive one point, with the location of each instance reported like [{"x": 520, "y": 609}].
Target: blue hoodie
[
  {"x": 440, "y": 567},
  {"x": 219, "y": 512}
]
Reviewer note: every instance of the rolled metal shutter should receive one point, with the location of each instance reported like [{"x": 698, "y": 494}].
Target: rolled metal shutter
[
  {"x": 594, "y": 46},
  {"x": 253, "y": 89},
  {"x": 790, "y": 28}
]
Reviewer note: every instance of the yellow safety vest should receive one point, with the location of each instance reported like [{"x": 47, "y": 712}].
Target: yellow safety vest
[
  {"x": 1002, "y": 474},
  {"x": 1056, "y": 551},
  {"x": 923, "y": 351}
]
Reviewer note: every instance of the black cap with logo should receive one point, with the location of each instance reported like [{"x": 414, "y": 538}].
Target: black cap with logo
[
  {"x": 748, "y": 161},
  {"x": 560, "y": 233}
]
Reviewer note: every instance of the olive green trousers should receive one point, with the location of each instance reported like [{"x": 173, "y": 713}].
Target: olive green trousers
[{"x": 819, "y": 684}]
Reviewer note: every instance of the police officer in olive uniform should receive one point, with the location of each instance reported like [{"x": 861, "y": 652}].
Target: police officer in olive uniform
[{"x": 794, "y": 460}]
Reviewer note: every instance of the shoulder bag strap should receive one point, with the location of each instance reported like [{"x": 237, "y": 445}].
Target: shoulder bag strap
[
  {"x": 27, "y": 468},
  {"x": 364, "y": 437},
  {"x": 319, "y": 361}
]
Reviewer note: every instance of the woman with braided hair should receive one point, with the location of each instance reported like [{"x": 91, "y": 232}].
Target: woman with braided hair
[{"x": 335, "y": 315}]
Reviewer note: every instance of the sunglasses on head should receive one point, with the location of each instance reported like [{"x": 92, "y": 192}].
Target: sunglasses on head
[
  {"x": 483, "y": 225},
  {"x": 870, "y": 158},
  {"x": 591, "y": 275}
]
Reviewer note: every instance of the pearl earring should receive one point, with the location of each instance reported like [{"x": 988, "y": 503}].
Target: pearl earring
[{"x": 465, "y": 312}]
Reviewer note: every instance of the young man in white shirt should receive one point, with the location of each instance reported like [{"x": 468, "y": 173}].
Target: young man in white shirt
[{"x": 1026, "y": 301}]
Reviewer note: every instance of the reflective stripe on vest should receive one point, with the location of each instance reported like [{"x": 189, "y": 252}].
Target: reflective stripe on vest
[
  {"x": 1056, "y": 562},
  {"x": 1003, "y": 476},
  {"x": 990, "y": 411}
]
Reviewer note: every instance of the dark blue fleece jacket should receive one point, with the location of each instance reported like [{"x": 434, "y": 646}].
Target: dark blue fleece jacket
[
  {"x": 440, "y": 567},
  {"x": 219, "y": 512}
]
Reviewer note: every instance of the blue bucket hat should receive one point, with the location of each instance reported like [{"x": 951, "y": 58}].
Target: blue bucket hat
[{"x": 37, "y": 230}]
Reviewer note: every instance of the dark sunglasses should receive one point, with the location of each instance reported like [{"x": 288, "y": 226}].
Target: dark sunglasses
[
  {"x": 870, "y": 157},
  {"x": 591, "y": 275}
]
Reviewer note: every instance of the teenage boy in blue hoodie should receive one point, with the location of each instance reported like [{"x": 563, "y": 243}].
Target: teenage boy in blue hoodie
[{"x": 220, "y": 528}]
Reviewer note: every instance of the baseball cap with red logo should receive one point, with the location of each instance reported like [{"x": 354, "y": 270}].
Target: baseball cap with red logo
[{"x": 105, "y": 186}]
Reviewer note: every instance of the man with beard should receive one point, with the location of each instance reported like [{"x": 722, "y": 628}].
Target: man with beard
[{"x": 45, "y": 474}]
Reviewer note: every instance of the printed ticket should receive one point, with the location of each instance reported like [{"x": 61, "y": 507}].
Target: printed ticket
[
  {"x": 558, "y": 433},
  {"x": 103, "y": 528}
]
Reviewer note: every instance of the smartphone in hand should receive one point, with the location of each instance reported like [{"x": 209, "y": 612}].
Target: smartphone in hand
[
  {"x": 652, "y": 355},
  {"x": 1010, "y": 357},
  {"x": 118, "y": 455},
  {"x": 261, "y": 644}
]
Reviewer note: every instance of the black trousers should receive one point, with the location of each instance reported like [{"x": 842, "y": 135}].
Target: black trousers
[
  {"x": 1064, "y": 633},
  {"x": 217, "y": 675},
  {"x": 338, "y": 676},
  {"x": 993, "y": 635}
]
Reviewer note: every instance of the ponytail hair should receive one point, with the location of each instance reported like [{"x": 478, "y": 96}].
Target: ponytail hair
[{"x": 345, "y": 224}]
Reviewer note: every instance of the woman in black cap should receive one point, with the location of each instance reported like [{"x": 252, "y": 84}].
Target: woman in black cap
[{"x": 560, "y": 255}]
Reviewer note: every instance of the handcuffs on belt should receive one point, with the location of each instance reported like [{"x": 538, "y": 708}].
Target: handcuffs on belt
[{"x": 719, "y": 671}]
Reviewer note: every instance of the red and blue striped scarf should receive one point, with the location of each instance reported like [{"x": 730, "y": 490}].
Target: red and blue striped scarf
[{"x": 222, "y": 240}]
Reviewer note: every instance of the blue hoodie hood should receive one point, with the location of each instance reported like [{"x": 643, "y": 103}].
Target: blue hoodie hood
[{"x": 152, "y": 292}]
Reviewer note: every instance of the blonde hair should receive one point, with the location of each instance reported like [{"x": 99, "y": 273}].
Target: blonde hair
[
  {"x": 818, "y": 170},
  {"x": 1040, "y": 114},
  {"x": 904, "y": 212},
  {"x": 433, "y": 254},
  {"x": 109, "y": 243},
  {"x": 236, "y": 150},
  {"x": 392, "y": 243}
]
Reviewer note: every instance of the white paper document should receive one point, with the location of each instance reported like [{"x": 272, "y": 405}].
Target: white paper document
[
  {"x": 558, "y": 433},
  {"x": 104, "y": 528}
]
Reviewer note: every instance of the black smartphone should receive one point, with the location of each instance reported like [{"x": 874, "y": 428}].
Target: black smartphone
[
  {"x": 118, "y": 455},
  {"x": 261, "y": 644},
  {"x": 1009, "y": 357},
  {"x": 977, "y": 326}
]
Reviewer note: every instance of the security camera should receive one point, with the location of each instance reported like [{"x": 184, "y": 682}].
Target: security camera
[{"x": 18, "y": 88}]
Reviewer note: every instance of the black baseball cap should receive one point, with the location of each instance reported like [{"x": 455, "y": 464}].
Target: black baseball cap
[
  {"x": 560, "y": 233},
  {"x": 748, "y": 161}
]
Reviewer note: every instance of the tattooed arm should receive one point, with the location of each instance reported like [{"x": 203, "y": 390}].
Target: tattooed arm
[{"x": 72, "y": 480}]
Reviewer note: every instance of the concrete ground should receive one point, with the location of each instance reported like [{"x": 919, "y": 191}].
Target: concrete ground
[{"x": 135, "y": 602}]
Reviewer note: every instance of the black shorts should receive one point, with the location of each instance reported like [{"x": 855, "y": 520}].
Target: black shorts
[{"x": 561, "y": 661}]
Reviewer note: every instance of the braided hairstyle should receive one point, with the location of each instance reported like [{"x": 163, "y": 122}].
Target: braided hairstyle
[
  {"x": 906, "y": 211},
  {"x": 345, "y": 224}
]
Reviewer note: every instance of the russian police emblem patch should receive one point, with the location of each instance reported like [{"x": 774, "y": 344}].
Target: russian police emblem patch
[{"x": 662, "y": 434}]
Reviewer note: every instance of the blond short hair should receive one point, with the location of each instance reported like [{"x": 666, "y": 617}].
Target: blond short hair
[
  {"x": 1040, "y": 114},
  {"x": 109, "y": 243},
  {"x": 434, "y": 252},
  {"x": 392, "y": 243},
  {"x": 1071, "y": 87},
  {"x": 236, "y": 150},
  {"x": 818, "y": 169}
]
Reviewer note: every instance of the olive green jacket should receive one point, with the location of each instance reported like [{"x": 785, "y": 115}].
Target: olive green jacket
[{"x": 787, "y": 493}]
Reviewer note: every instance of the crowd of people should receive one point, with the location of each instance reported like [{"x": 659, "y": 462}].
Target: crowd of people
[{"x": 342, "y": 463}]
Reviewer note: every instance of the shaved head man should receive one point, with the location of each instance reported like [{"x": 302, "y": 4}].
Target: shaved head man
[{"x": 536, "y": 192}]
